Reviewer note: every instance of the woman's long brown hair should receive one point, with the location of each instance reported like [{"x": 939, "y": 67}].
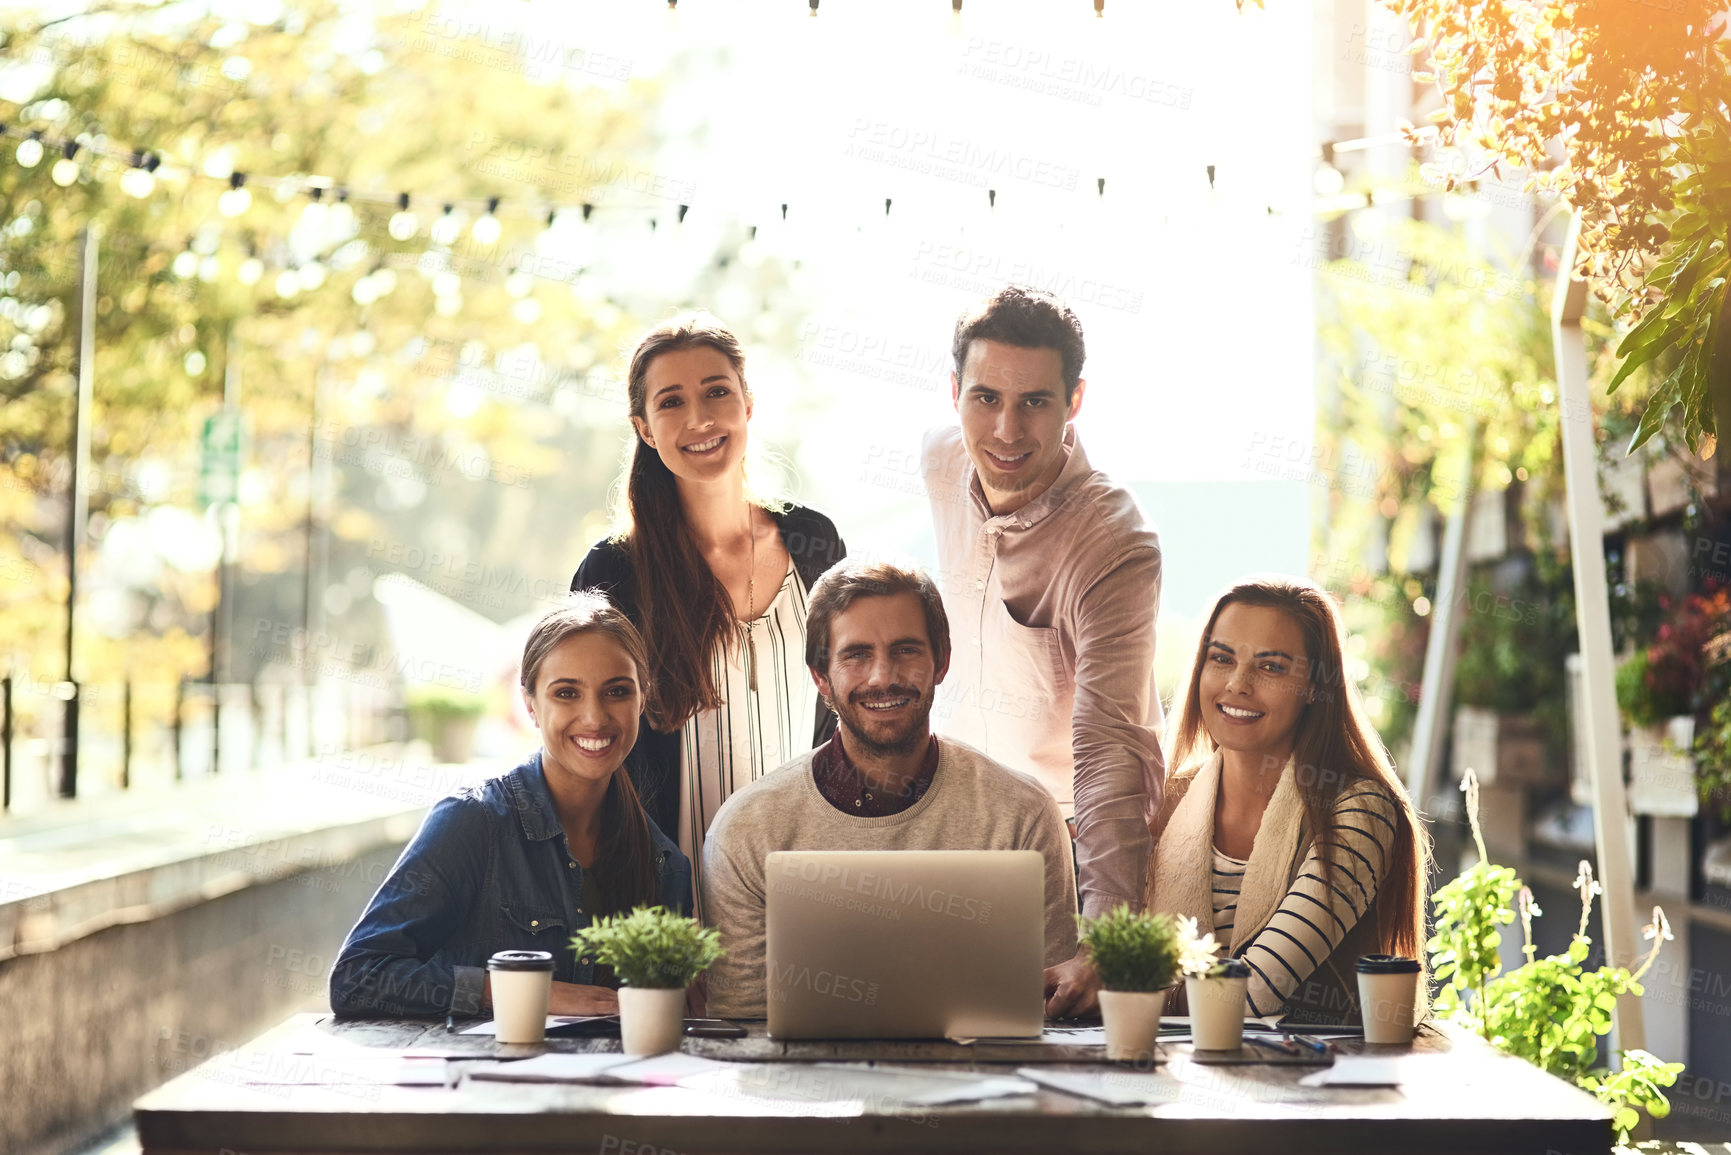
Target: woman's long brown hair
[
  {"x": 687, "y": 616},
  {"x": 1336, "y": 747},
  {"x": 627, "y": 877}
]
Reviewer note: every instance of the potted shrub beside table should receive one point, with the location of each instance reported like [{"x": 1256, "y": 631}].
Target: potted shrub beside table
[
  {"x": 446, "y": 718},
  {"x": 1136, "y": 956},
  {"x": 656, "y": 954}
]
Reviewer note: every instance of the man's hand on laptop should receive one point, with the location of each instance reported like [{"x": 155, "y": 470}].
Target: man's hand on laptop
[{"x": 1072, "y": 988}]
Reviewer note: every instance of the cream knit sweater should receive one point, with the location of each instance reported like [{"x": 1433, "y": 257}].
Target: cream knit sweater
[{"x": 973, "y": 804}]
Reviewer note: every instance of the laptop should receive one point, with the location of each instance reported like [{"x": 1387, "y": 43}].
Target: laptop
[{"x": 905, "y": 944}]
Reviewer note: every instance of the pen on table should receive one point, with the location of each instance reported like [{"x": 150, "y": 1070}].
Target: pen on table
[{"x": 1307, "y": 1041}]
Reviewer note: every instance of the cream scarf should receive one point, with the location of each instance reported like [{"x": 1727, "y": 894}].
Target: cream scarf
[{"x": 1184, "y": 856}]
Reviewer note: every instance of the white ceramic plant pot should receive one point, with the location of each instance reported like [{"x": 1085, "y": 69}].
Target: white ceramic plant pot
[
  {"x": 1216, "y": 1012},
  {"x": 1132, "y": 1021},
  {"x": 651, "y": 1021}
]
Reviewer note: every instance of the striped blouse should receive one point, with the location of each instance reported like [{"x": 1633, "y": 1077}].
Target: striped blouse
[
  {"x": 1228, "y": 881},
  {"x": 1314, "y": 916},
  {"x": 752, "y": 733}
]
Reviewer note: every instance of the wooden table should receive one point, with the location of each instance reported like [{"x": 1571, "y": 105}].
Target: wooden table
[{"x": 1474, "y": 1099}]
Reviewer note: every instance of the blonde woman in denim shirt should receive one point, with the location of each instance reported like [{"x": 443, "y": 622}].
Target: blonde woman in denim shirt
[{"x": 521, "y": 861}]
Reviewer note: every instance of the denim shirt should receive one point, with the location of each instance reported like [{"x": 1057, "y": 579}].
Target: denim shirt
[{"x": 489, "y": 870}]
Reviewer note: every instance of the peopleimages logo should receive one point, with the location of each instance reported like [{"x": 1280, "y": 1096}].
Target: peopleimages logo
[
  {"x": 823, "y": 982},
  {"x": 883, "y": 889}
]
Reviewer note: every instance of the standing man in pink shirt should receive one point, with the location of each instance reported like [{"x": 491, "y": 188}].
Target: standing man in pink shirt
[{"x": 1051, "y": 578}]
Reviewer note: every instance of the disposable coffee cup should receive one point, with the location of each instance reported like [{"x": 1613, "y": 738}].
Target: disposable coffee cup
[
  {"x": 522, "y": 982},
  {"x": 1387, "y": 992}
]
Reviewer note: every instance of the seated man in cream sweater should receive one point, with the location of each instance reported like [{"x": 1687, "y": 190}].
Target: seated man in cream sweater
[{"x": 878, "y": 644}]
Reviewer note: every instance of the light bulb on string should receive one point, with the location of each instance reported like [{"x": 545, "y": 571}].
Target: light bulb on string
[
  {"x": 288, "y": 283},
  {"x": 312, "y": 275},
  {"x": 486, "y": 230},
  {"x": 237, "y": 199},
  {"x": 402, "y": 224},
  {"x": 139, "y": 181},
  {"x": 342, "y": 218},
  {"x": 315, "y": 213},
  {"x": 446, "y": 229},
  {"x": 251, "y": 271},
  {"x": 29, "y": 152},
  {"x": 65, "y": 170},
  {"x": 385, "y": 280}
]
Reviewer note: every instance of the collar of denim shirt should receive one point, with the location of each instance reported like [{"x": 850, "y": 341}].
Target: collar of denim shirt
[{"x": 533, "y": 802}]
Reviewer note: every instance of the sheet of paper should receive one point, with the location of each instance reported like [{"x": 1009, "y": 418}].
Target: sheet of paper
[
  {"x": 872, "y": 1087},
  {"x": 491, "y": 1026},
  {"x": 1366, "y": 1071},
  {"x": 336, "y": 1070},
  {"x": 1119, "y": 1088},
  {"x": 554, "y": 1069},
  {"x": 666, "y": 1070}
]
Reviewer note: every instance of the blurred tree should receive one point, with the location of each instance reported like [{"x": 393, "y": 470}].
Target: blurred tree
[{"x": 454, "y": 377}]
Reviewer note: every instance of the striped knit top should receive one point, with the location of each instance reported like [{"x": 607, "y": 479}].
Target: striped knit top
[
  {"x": 753, "y": 732},
  {"x": 1228, "y": 880},
  {"x": 1314, "y": 916}
]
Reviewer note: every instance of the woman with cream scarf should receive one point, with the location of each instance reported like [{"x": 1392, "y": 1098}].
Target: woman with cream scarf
[{"x": 1283, "y": 825}]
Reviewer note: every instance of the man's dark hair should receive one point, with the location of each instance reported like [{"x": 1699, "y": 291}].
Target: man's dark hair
[
  {"x": 853, "y": 578},
  {"x": 1027, "y": 319}
]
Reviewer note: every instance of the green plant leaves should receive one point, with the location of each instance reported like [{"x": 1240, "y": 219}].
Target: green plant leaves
[
  {"x": 651, "y": 947},
  {"x": 1548, "y": 1011},
  {"x": 1132, "y": 951}
]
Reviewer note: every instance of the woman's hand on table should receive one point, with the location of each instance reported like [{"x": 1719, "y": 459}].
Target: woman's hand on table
[{"x": 576, "y": 999}]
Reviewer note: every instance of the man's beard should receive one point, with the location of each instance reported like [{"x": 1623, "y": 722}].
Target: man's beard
[{"x": 910, "y": 738}]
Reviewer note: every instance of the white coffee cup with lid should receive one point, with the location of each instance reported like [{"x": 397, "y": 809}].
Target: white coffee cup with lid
[
  {"x": 522, "y": 983},
  {"x": 1387, "y": 993}
]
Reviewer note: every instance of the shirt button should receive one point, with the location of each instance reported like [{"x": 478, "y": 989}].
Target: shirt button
[
  {"x": 572, "y": 865},
  {"x": 534, "y": 922},
  {"x": 979, "y": 585}
]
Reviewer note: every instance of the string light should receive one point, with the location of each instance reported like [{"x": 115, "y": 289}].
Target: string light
[
  {"x": 139, "y": 181},
  {"x": 251, "y": 271},
  {"x": 486, "y": 229},
  {"x": 403, "y": 224},
  {"x": 446, "y": 229},
  {"x": 29, "y": 152},
  {"x": 65, "y": 170},
  {"x": 237, "y": 199}
]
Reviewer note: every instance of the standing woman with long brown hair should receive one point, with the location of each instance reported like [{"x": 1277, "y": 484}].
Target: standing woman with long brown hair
[
  {"x": 1283, "y": 827},
  {"x": 716, "y": 578}
]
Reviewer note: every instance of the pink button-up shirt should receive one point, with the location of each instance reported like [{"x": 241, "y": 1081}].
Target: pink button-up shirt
[{"x": 1051, "y": 613}]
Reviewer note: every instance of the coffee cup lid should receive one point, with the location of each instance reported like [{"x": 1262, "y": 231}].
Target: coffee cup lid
[
  {"x": 1387, "y": 964},
  {"x": 521, "y": 960}
]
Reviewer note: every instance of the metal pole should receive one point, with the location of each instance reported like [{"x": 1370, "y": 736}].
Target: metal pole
[
  {"x": 78, "y": 516},
  {"x": 1437, "y": 684},
  {"x": 6, "y": 743},
  {"x": 1603, "y": 744},
  {"x": 222, "y": 616},
  {"x": 126, "y": 734}
]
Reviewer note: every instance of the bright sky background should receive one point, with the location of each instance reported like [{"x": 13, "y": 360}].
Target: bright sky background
[{"x": 1196, "y": 301}]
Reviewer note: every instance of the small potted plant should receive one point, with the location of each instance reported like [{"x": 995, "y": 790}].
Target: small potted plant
[
  {"x": 1660, "y": 688},
  {"x": 656, "y": 954},
  {"x": 447, "y": 718},
  {"x": 1136, "y": 956},
  {"x": 1215, "y": 989}
]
